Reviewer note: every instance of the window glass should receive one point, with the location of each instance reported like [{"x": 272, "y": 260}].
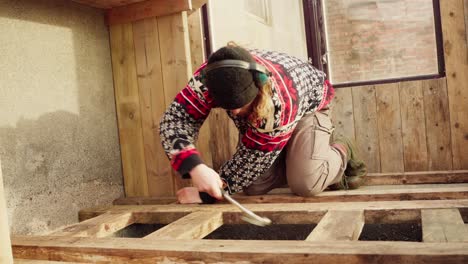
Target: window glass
[{"x": 381, "y": 39}]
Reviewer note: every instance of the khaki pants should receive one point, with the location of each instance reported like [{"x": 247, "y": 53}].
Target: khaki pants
[{"x": 309, "y": 164}]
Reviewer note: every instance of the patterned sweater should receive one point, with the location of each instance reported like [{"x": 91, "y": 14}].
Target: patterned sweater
[{"x": 298, "y": 89}]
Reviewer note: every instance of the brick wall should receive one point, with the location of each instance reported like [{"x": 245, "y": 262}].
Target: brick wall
[{"x": 379, "y": 39}]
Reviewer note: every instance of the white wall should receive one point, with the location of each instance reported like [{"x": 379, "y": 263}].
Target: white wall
[{"x": 284, "y": 32}]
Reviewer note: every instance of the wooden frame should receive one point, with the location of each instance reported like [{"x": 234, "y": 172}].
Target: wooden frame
[{"x": 333, "y": 240}]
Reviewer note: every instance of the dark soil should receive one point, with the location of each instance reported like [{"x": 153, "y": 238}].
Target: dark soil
[
  {"x": 251, "y": 232},
  {"x": 137, "y": 230},
  {"x": 392, "y": 232}
]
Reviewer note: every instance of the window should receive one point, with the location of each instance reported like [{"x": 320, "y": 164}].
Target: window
[{"x": 368, "y": 41}]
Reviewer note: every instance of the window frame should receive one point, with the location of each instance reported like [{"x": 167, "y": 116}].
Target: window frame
[{"x": 317, "y": 48}]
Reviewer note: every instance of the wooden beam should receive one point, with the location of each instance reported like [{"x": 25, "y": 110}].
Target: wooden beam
[
  {"x": 146, "y": 9},
  {"x": 460, "y": 176},
  {"x": 106, "y": 4},
  {"x": 338, "y": 226},
  {"x": 443, "y": 225},
  {"x": 366, "y": 193},
  {"x": 290, "y": 207},
  {"x": 5, "y": 243},
  {"x": 456, "y": 65},
  {"x": 118, "y": 250},
  {"x": 193, "y": 226},
  {"x": 99, "y": 226}
]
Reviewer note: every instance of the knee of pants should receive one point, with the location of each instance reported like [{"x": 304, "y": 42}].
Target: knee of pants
[{"x": 309, "y": 181}]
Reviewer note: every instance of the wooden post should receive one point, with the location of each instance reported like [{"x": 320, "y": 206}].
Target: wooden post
[{"x": 5, "y": 243}]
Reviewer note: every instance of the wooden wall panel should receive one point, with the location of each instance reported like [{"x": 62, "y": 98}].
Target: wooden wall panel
[
  {"x": 437, "y": 117},
  {"x": 153, "y": 105},
  {"x": 413, "y": 126},
  {"x": 389, "y": 127},
  {"x": 342, "y": 113},
  {"x": 128, "y": 110},
  {"x": 456, "y": 62},
  {"x": 367, "y": 134},
  {"x": 176, "y": 62}
]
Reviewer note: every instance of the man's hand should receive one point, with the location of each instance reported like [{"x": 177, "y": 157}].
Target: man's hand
[
  {"x": 205, "y": 179},
  {"x": 189, "y": 195}
]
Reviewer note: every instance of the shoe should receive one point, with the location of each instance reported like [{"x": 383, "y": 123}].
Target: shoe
[{"x": 356, "y": 170}]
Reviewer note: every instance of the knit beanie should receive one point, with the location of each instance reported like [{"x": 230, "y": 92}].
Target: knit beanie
[{"x": 231, "y": 87}]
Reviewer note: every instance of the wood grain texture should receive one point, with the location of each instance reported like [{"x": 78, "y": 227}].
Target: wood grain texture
[
  {"x": 389, "y": 125},
  {"x": 436, "y": 112},
  {"x": 342, "y": 113},
  {"x": 367, "y": 133},
  {"x": 5, "y": 241},
  {"x": 146, "y": 9},
  {"x": 443, "y": 225},
  {"x": 128, "y": 110},
  {"x": 124, "y": 250},
  {"x": 460, "y": 176},
  {"x": 193, "y": 226},
  {"x": 173, "y": 212},
  {"x": 100, "y": 226},
  {"x": 106, "y": 4},
  {"x": 176, "y": 63},
  {"x": 456, "y": 65},
  {"x": 153, "y": 105},
  {"x": 413, "y": 126},
  {"x": 338, "y": 226},
  {"x": 368, "y": 193}
]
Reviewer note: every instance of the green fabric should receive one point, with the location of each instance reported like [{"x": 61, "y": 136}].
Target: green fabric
[{"x": 356, "y": 169}]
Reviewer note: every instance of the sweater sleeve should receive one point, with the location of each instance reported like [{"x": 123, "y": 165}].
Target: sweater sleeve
[{"x": 181, "y": 123}]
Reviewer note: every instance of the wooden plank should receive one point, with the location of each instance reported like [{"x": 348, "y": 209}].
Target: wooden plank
[
  {"x": 151, "y": 91},
  {"x": 146, "y": 9},
  {"x": 197, "y": 58},
  {"x": 466, "y": 20},
  {"x": 436, "y": 108},
  {"x": 128, "y": 110},
  {"x": 176, "y": 63},
  {"x": 368, "y": 193},
  {"x": 342, "y": 113},
  {"x": 5, "y": 242},
  {"x": 119, "y": 250},
  {"x": 456, "y": 65},
  {"x": 413, "y": 126},
  {"x": 99, "y": 226},
  {"x": 144, "y": 200},
  {"x": 106, "y": 4},
  {"x": 338, "y": 226},
  {"x": 193, "y": 226},
  {"x": 389, "y": 125},
  {"x": 443, "y": 225},
  {"x": 365, "y": 118},
  {"x": 460, "y": 176},
  {"x": 405, "y": 209}
]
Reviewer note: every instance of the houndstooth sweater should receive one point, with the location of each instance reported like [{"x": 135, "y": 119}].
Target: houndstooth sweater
[{"x": 298, "y": 89}]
